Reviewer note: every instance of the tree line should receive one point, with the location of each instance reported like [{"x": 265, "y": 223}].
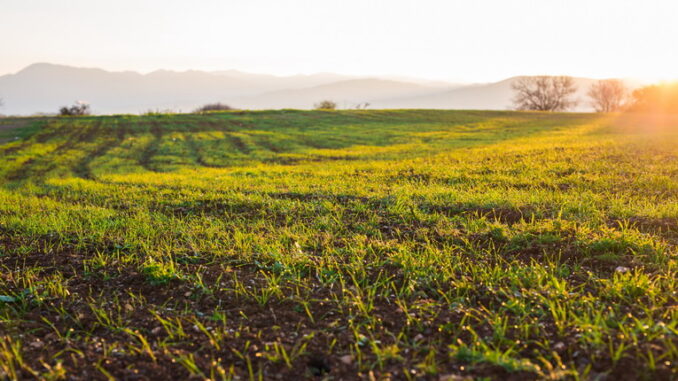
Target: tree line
[{"x": 556, "y": 93}]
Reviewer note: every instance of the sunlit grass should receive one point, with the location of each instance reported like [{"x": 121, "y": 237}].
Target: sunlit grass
[{"x": 403, "y": 243}]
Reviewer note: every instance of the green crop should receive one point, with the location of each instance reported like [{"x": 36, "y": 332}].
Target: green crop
[{"x": 402, "y": 244}]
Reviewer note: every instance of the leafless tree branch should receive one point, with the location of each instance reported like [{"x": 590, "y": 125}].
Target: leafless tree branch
[
  {"x": 608, "y": 95},
  {"x": 544, "y": 93}
]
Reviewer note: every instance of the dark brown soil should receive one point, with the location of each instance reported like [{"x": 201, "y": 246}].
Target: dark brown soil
[{"x": 78, "y": 338}]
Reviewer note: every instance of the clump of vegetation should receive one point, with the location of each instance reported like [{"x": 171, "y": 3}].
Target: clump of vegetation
[
  {"x": 401, "y": 244},
  {"x": 214, "y": 107},
  {"x": 159, "y": 112},
  {"x": 325, "y": 105},
  {"x": 78, "y": 109}
]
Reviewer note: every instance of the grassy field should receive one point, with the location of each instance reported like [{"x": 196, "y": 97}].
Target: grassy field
[{"x": 439, "y": 245}]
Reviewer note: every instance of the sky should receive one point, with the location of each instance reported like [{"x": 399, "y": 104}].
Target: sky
[{"x": 461, "y": 41}]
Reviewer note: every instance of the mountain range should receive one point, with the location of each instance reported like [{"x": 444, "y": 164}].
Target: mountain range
[{"x": 43, "y": 88}]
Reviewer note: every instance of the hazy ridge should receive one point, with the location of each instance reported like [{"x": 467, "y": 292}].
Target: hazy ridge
[{"x": 43, "y": 88}]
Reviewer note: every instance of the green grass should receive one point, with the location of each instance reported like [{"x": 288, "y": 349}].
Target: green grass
[
  {"x": 17, "y": 128},
  {"x": 406, "y": 244}
]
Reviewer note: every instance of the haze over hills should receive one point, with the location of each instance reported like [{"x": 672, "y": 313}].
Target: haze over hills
[
  {"x": 43, "y": 88},
  {"x": 491, "y": 96},
  {"x": 268, "y": 82},
  {"x": 347, "y": 94}
]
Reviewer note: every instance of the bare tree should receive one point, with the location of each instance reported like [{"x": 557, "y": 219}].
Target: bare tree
[
  {"x": 544, "y": 93},
  {"x": 608, "y": 95}
]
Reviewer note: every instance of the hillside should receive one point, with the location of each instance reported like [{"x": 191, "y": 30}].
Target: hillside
[
  {"x": 337, "y": 245},
  {"x": 347, "y": 94},
  {"x": 491, "y": 96},
  {"x": 270, "y": 83},
  {"x": 45, "y": 87}
]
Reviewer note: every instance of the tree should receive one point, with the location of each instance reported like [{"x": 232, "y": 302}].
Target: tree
[
  {"x": 544, "y": 93},
  {"x": 78, "y": 109},
  {"x": 656, "y": 99},
  {"x": 325, "y": 105},
  {"x": 608, "y": 95}
]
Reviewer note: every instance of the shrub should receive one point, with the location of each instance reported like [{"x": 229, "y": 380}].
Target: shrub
[
  {"x": 159, "y": 112},
  {"x": 78, "y": 109},
  {"x": 214, "y": 107},
  {"x": 325, "y": 105}
]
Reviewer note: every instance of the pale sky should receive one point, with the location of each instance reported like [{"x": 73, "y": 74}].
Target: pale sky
[{"x": 470, "y": 41}]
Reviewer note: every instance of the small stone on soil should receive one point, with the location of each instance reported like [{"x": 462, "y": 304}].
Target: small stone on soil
[
  {"x": 454, "y": 377},
  {"x": 347, "y": 359}
]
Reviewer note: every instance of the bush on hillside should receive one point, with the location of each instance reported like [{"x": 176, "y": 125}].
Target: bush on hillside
[
  {"x": 214, "y": 107},
  {"x": 159, "y": 112},
  {"x": 326, "y": 105},
  {"x": 78, "y": 109}
]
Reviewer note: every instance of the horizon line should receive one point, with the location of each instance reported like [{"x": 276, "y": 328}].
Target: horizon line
[{"x": 398, "y": 77}]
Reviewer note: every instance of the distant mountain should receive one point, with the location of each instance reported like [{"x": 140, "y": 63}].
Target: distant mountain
[
  {"x": 312, "y": 80},
  {"x": 43, "y": 88},
  {"x": 267, "y": 82},
  {"x": 347, "y": 94},
  {"x": 46, "y": 87}
]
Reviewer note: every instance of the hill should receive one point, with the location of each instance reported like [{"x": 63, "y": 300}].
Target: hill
[
  {"x": 347, "y": 94},
  {"x": 491, "y": 96},
  {"x": 339, "y": 245},
  {"x": 268, "y": 83},
  {"x": 46, "y": 87}
]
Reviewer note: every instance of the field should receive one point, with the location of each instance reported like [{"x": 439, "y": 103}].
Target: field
[{"x": 409, "y": 244}]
